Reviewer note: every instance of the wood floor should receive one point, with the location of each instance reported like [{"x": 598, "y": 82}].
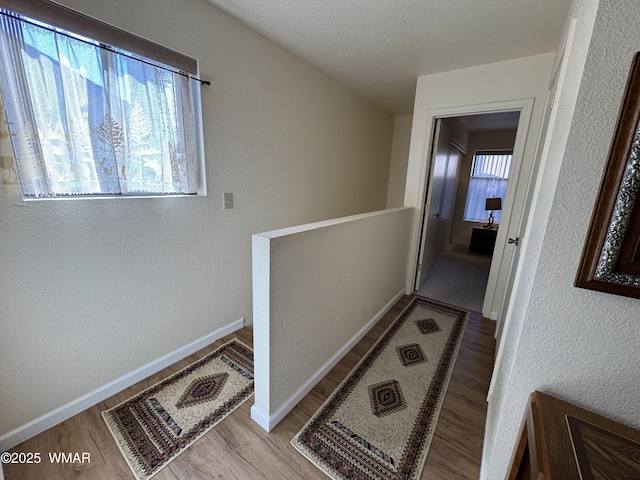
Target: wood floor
[{"x": 238, "y": 448}]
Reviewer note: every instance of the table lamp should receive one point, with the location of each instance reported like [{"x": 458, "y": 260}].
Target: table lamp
[{"x": 492, "y": 204}]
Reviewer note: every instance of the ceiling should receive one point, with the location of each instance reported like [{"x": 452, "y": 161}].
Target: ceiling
[
  {"x": 378, "y": 48},
  {"x": 491, "y": 121}
]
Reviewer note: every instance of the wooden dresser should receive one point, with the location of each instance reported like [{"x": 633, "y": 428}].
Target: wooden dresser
[{"x": 560, "y": 441}]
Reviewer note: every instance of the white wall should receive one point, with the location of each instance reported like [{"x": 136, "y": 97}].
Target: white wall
[
  {"x": 318, "y": 289},
  {"x": 459, "y": 132},
  {"x": 93, "y": 289},
  {"x": 576, "y": 344},
  {"x": 399, "y": 160}
]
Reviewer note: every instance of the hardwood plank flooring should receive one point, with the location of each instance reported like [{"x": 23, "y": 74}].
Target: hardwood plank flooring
[{"x": 238, "y": 448}]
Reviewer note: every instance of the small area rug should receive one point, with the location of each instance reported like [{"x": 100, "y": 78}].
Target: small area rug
[
  {"x": 379, "y": 423},
  {"x": 155, "y": 426}
]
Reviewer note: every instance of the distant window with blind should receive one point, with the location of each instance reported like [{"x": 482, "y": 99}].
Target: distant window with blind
[
  {"x": 87, "y": 109},
  {"x": 488, "y": 179}
]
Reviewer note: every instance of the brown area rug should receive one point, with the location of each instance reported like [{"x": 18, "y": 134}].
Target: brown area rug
[
  {"x": 379, "y": 423},
  {"x": 155, "y": 426}
]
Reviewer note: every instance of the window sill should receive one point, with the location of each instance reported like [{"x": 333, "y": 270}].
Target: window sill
[{"x": 108, "y": 197}]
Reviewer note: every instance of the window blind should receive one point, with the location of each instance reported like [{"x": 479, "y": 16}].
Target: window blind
[{"x": 488, "y": 179}]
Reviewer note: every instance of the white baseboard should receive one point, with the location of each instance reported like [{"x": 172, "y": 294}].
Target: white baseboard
[
  {"x": 260, "y": 418},
  {"x": 268, "y": 422},
  {"x": 54, "y": 417}
]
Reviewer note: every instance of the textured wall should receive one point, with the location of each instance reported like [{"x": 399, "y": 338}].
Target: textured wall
[
  {"x": 576, "y": 344},
  {"x": 92, "y": 289}
]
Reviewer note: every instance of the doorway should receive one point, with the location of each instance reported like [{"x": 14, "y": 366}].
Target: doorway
[{"x": 447, "y": 270}]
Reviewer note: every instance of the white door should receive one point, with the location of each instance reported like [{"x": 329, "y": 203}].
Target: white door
[
  {"x": 502, "y": 263},
  {"x": 541, "y": 153},
  {"x": 438, "y": 211}
]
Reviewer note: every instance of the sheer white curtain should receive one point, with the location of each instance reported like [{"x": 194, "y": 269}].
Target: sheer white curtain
[
  {"x": 489, "y": 177},
  {"x": 88, "y": 120}
]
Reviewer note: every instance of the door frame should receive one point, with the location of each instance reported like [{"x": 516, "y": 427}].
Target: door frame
[{"x": 525, "y": 107}]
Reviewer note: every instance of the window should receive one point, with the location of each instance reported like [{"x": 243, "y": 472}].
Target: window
[
  {"x": 89, "y": 110},
  {"x": 488, "y": 179}
]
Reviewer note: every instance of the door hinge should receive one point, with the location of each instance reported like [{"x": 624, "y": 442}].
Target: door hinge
[
  {"x": 419, "y": 267},
  {"x": 553, "y": 98}
]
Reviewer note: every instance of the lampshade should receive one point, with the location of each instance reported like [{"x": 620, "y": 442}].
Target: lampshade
[{"x": 493, "y": 204}]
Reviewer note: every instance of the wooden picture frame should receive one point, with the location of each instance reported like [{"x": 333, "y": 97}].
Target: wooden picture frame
[{"x": 610, "y": 259}]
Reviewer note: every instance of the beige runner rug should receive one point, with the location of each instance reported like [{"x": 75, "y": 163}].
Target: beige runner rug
[
  {"x": 380, "y": 421},
  {"x": 155, "y": 426}
]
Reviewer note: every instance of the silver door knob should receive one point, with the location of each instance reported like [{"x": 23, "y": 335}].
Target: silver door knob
[{"x": 514, "y": 240}]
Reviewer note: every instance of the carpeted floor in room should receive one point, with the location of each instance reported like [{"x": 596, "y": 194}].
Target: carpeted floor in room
[{"x": 458, "y": 278}]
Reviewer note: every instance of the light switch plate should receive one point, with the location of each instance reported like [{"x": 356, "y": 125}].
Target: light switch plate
[{"x": 228, "y": 200}]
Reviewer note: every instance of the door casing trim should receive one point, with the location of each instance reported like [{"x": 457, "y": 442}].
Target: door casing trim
[{"x": 525, "y": 107}]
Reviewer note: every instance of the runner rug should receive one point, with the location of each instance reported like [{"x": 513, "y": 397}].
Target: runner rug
[
  {"x": 155, "y": 426},
  {"x": 379, "y": 423}
]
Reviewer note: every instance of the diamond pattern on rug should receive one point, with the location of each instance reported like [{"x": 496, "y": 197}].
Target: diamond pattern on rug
[
  {"x": 204, "y": 389},
  {"x": 347, "y": 441},
  {"x": 153, "y": 427},
  {"x": 427, "y": 325},
  {"x": 386, "y": 398},
  {"x": 411, "y": 354}
]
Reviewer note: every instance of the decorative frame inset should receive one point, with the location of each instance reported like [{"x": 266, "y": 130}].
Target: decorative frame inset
[{"x": 610, "y": 259}]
